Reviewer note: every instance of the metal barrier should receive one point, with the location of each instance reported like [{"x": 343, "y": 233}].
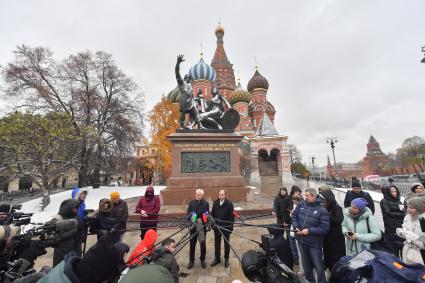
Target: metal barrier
[{"x": 404, "y": 187}]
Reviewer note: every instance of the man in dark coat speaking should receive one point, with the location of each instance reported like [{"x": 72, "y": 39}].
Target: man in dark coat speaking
[
  {"x": 222, "y": 211},
  {"x": 197, "y": 211}
]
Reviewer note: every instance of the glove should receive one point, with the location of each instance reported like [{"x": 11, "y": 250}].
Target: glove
[
  {"x": 411, "y": 237},
  {"x": 401, "y": 232},
  {"x": 190, "y": 226},
  {"x": 34, "y": 250}
]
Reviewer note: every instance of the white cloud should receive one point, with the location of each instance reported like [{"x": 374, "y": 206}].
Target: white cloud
[{"x": 336, "y": 68}]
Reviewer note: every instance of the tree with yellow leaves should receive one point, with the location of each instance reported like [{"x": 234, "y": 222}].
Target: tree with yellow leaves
[{"x": 164, "y": 120}]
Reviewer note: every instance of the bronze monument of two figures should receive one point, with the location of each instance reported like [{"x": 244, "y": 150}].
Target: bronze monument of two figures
[{"x": 204, "y": 114}]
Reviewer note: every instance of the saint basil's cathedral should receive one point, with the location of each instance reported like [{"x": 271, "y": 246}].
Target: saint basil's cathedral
[{"x": 269, "y": 152}]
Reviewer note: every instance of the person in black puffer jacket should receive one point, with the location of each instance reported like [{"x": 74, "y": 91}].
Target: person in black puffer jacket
[
  {"x": 68, "y": 230},
  {"x": 105, "y": 222},
  {"x": 281, "y": 207},
  {"x": 357, "y": 192},
  {"x": 334, "y": 241},
  {"x": 393, "y": 214}
]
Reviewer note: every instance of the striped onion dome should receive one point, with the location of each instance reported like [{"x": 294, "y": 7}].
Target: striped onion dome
[
  {"x": 202, "y": 71},
  {"x": 174, "y": 95},
  {"x": 240, "y": 95},
  {"x": 258, "y": 81}
]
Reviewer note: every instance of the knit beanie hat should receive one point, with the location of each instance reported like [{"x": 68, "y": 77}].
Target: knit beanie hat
[
  {"x": 115, "y": 196},
  {"x": 360, "y": 203},
  {"x": 355, "y": 183},
  {"x": 417, "y": 203},
  {"x": 101, "y": 262}
]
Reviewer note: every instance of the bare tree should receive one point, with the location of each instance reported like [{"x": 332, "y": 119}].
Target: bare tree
[
  {"x": 294, "y": 154},
  {"x": 104, "y": 103},
  {"x": 245, "y": 164}
]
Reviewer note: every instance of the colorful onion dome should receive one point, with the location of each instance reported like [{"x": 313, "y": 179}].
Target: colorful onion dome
[
  {"x": 257, "y": 81},
  {"x": 240, "y": 95},
  {"x": 174, "y": 95},
  {"x": 202, "y": 71}
]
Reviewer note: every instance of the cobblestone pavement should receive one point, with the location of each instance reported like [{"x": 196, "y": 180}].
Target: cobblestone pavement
[
  {"x": 217, "y": 273},
  {"x": 197, "y": 274}
]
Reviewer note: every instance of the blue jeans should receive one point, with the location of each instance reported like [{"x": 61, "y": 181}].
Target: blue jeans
[
  {"x": 294, "y": 249},
  {"x": 312, "y": 258}
]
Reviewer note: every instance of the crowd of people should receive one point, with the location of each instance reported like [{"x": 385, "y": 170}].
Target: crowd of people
[
  {"x": 325, "y": 232},
  {"x": 311, "y": 228},
  {"x": 105, "y": 261}
]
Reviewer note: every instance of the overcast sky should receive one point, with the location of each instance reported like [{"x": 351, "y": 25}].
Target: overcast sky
[{"x": 336, "y": 68}]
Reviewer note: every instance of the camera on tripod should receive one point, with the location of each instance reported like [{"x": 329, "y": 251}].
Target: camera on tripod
[{"x": 265, "y": 265}]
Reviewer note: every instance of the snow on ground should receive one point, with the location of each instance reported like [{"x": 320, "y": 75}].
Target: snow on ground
[
  {"x": 376, "y": 196},
  {"x": 92, "y": 200}
]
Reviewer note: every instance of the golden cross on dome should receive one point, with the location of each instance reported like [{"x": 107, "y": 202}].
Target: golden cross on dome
[{"x": 202, "y": 51}]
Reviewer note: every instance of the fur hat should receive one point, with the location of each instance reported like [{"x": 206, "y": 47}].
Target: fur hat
[
  {"x": 415, "y": 185},
  {"x": 7, "y": 232},
  {"x": 417, "y": 203},
  {"x": 115, "y": 196}
]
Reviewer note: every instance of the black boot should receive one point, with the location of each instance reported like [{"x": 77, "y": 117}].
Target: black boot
[
  {"x": 226, "y": 262},
  {"x": 215, "y": 262},
  {"x": 203, "y": 264},
  {"x": 190, "y": 265}
]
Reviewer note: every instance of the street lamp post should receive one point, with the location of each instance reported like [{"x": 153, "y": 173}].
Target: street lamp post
[
  {"x": 421, "y": 155},
  {"x": 332, "y": 141}
]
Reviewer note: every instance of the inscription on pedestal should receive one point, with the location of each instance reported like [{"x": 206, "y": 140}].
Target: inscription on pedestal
[
  {"x": 205, "y": 162},
  {"x": 206, "y": 146}
]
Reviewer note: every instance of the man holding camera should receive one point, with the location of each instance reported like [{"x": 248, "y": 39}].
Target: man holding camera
[
  {"x": 311, "y": 221},
  {"x": 222, "y": 212},
  {"x": 68, "y": 231}
]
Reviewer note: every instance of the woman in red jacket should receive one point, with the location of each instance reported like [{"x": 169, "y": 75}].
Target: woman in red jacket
[{"x": 148, "y": 207}]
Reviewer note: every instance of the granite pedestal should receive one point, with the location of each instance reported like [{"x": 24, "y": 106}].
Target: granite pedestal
[{"x": 207, "y": 160}]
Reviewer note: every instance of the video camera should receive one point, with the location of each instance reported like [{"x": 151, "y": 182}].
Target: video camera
[
  {"x": 10, "y": 215},
  {"x": 265, "y": 265},
  {"x": 12, "y": 266},
  {"x": 44, "y": 235}
]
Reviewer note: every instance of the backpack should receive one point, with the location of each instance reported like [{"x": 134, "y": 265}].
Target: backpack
[
  {"x": 379, "y": 245},
  {"x": 376, "y": 267}
]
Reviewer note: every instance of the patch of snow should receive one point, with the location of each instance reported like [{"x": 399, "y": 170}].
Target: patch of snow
[
  {"x": 376, "y": 196},
  {"x": 92, "y": 200}
]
